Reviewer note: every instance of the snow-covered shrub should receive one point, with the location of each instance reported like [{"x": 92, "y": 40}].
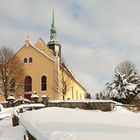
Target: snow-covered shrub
[{"x": 125, "y": 86}]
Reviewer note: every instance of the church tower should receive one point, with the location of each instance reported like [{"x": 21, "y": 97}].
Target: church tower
[{"x": 54, "y": 44}]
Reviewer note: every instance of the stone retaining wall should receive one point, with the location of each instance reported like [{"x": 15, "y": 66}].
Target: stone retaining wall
[
  {"x": 89, "y": 105},
  {"x": 104, "y": 106}
]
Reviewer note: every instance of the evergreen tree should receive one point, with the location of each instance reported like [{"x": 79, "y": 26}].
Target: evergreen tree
[{"x": 125, "y": 86}]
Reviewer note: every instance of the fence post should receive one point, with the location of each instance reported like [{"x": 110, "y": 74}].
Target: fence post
[
  {"x": 15, "y": 120},
  {"x": 30, "y": 137}
]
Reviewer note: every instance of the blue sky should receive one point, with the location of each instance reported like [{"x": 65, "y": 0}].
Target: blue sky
[{"x": 96, "y": 35}]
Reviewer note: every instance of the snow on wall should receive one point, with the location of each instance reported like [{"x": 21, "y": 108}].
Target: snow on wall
[{"x": 76, "y": 124}]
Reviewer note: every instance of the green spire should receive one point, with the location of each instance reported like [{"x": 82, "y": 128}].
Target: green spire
[
  {"x": 53, "y": 33},
  {"x": 53, "y": 18}
]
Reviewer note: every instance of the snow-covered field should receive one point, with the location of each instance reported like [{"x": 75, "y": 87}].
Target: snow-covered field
[{"x": 55, "y": 123}]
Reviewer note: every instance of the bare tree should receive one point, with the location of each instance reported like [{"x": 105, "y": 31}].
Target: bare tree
[
  {"x": 11, "y": 73},
  {"x": 65, "y": 80}
]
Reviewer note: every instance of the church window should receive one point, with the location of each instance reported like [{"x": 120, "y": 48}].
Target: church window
[
  {"x": 28, "y": 84},
  {"x": 80, "y": 96},
  {"x": 72, "y": 93},
  {"x": 43, "y": 83},
  {"x": 25, "y": 60},
  {"x": 76, "y": 94},
  {"x": 30, "y": 60}
]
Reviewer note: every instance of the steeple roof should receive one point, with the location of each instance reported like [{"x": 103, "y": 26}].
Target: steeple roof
[
  {"x": 53, "y": 19},
  {"x": 53, "y": 32}
]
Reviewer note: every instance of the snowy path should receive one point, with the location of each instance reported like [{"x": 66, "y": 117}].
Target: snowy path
[
  {"x": 12, "y": 133},
  {"x": 7, "y": 131},
  {"x": 75, "y": 124}
]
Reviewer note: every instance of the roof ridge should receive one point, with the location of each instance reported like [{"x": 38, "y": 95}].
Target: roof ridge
[
  {"x": 41, "y": 39},
  {"x": 42, "y": 52}
]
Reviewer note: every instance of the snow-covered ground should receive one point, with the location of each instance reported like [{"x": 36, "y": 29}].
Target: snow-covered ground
[
  {"x": 74, "y": 124},
  {"x": 7, "y": 131},
  {"x": 5, "y": 112},
  {"x": 54, "y": 123}
]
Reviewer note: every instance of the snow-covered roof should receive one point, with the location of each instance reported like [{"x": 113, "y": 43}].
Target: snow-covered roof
[
  {"x": 11, "y": 98},
  {"x": 44, "y": 96},
  {"x": 22, "y": 99},
  {"x": 34, "y": 96}
]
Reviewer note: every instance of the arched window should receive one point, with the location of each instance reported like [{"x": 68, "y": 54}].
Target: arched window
[
  {"x": 72, "y": 93},
  {"x": 25, "y": 60},
  {"x": 30, "y": 60},
  {"x": 28, "y": 84},
  {"x": 77, "y": 94},
  {"x": 43, "y": 83}
]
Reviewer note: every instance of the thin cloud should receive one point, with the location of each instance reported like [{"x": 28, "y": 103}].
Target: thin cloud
[{"x": 95, "y": 35}]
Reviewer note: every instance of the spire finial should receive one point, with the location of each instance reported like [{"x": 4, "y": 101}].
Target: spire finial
[
  {"x": 53, "y": 33},
  {"x": 27, "y": 37},
  {"x": 27, "y": 41},
  {"x": 53, "y": 17}
]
